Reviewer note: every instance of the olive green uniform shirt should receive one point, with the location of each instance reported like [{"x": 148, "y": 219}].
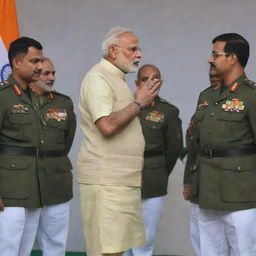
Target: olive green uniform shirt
[
  {"x": 48, "y": 125},
  {"x": 161, "y": 127},
  {"x": 226, "y": 120}
]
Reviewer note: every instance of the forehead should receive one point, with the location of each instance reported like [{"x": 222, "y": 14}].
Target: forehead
[
  {"x": 34, "y": 53},
  {"x": 128, "y": 38},
  {"x": 47, "y": 65},
  {"x": 218, "y": 46},
  {"x": 146, "y": 71}
]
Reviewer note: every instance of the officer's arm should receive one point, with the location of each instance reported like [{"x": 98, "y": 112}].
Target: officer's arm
[
  {"x": 174, "y": 139},
  {"x": 72, "y": 128}
]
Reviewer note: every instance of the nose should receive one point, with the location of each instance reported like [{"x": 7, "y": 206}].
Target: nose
[
  {"x": 51, "y": 76},
  {"x": 210, "y": 60},
  {"x": 139, "y": 53},
  {"x": 40, "y": 65}
]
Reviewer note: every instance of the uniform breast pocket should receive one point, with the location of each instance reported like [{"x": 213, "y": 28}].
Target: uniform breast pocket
[
  {"x": 233, "y": 124},
  {"x": 238, "y": 180},
  {"x": 19, "y": 126},
  {"x": 153, "y": 132},
  {"x": 56, "y": 131},
  {"x": 198, "y": 116}
]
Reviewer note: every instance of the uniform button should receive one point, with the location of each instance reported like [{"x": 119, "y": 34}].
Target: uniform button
[
  {"x": 209, "y": 131},
  {"x": 216, "y": 103},
  {"x": 212, "y": 114},
  {"x": 157, "y": 165},
  {"x": 12, "y": 165},
  {"x": 42, "y": 142},
  {"x": 239, "y": 168}
]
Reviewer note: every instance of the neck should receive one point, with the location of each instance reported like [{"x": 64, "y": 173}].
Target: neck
[
  {"x": 230, "y": 77},
  {"x": 22, "y": 82},
  {"x": 37, "y": 90}
]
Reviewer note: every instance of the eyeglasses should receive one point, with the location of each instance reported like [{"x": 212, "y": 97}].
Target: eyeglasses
[
  {"x": 216, "y": 54},
  {"x": 131, "y": 48}
]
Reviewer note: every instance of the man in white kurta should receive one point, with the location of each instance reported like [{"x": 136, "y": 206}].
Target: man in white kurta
[{"x": 110, "y": 159}]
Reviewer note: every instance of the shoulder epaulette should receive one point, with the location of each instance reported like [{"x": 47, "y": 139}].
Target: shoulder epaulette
[
  {"x": 4, "y": 85},
  {"x": 164, "y": 101},
  {"x": 251, "y": 83},
  {"x": 167, "y": 102},
  {"x": 60, "y": 94},
  {"x": 206, "y": 89}
]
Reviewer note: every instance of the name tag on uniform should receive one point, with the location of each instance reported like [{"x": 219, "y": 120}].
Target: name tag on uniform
[
  {"x": 57, "y": 114},
  {"x": 234, "y": 105},
  {"x": 203, "y": 105},
  {"x": 19, "y": 109},
  {"x": 155, "y": 116}
]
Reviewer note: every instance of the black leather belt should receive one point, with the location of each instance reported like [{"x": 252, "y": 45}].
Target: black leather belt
[
  {"x": 210, "y": 153},
  {"x": 28, "y": 151},
  {"x": 153, "y": 153}
]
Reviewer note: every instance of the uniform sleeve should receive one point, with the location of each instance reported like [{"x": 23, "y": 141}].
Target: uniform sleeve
[
  {"x": 191, "y": 145},
  {"x": 72, "y": 128},
  {"x": 97, "y": 96},
  {"x": 174, "y": 139}
]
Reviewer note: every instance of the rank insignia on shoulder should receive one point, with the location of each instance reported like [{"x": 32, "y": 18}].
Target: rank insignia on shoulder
[
  {"x": 19, "y": 109},
  {"x": 16, "y": 90},
  {"x": 57, "y": 114},
  {"x": 203, "y": 105},
  {"x": 234, "y": 105},
  {"x": 234, "y": 87},
  {"x": 50, "y": 96},
  {"x": 155, "y": 116}
]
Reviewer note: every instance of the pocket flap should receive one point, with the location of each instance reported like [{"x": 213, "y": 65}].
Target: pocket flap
[
  {"x": 239, "y": 164},
  {"x": 13, "y": 164}
]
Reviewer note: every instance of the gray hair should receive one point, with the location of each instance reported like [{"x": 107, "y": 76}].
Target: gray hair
[{"x": 112, "y": 38}]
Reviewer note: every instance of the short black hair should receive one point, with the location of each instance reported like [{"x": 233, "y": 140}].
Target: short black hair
[
  {"x": 236, "y": 44},
  {"x": 147, "y": 65},
  {"x": 20, "y": 46}
]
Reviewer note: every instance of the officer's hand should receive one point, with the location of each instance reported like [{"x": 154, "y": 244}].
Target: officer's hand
[
  {"x": 1, "y": 204},
  {"x": 146, "y": 93},
  {"x": 187, "y": 192}
]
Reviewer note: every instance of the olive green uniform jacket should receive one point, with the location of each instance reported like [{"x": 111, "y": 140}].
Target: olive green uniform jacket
[
  {"x": 35, "y": 181},
  {"x": 161, "y": 127},
  {"x": 191, "y": 146},
  {"x": 223, "y": 121}
]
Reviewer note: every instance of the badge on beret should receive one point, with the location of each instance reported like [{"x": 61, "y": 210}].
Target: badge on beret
[
  {"x": 155, "y": 116},
  {"x": 203, "y": 105},
  {"x": 234, "y": 105},
  {"x": 19, "y": 109},
  {"x": 57, "y": 114}
]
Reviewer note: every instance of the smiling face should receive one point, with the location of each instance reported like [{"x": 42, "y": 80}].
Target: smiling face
[{"x": 127, "y": 53}]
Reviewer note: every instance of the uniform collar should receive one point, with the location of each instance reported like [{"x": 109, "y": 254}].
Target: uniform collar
[{"x": 112, "y": 68}]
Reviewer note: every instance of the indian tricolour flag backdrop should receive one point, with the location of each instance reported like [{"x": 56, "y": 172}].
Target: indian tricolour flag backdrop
[{"x": 9, "y": 31}]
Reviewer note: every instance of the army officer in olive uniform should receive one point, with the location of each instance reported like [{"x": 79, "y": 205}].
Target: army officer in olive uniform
[
  {"x": 52, "y": 221},
  {"x": 162, "y": 131},
  {"x": 224, "y": 184},
  {"x": 35, "y": 138}
]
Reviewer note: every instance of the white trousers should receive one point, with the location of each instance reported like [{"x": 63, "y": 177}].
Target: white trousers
[
  {"x": 223, "y": 233},
  {"x": 19, "y": 227},
  {"x": 152, "y": 210}
]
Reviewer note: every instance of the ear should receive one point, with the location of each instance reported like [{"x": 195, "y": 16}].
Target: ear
[
  {"x": 234, "y": 59},
  {"x": 112, "y": 52},
  {"x": 16, "y": 62}
]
